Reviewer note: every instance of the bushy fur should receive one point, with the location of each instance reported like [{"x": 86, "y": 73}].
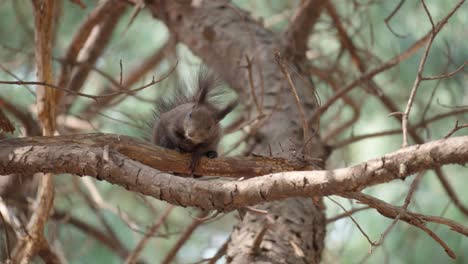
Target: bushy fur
[{"x": 190, "y": 122}]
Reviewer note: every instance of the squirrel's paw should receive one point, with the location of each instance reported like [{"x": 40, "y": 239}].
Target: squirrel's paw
[{"x": 212, "y": 154}]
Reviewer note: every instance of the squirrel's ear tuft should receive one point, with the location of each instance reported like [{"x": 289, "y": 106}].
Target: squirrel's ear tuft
[
  {"x": 223, "y": 113},
  {"x": 206, "y": 81}
]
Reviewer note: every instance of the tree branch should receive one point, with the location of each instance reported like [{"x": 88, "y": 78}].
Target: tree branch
[
  {"x": 88, "y": 155},
  {"x": 299, "y": 30},
  {"x": 411, "y": 218},
  {"x": 35, "y": 242}
]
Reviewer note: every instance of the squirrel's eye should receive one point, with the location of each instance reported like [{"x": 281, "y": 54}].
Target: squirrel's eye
[{"x": 190, "y": 114}]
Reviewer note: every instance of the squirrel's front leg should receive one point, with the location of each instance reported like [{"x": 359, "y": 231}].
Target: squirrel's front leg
[{"x": 198, "y": 153}]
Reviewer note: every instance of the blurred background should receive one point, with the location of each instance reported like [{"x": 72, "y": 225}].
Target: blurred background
[{"x": 84, "y": 204}]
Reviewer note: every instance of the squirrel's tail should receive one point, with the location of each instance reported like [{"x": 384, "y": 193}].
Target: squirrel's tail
[{"x": 206, "y": 90}]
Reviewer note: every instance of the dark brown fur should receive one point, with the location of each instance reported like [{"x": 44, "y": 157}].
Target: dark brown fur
[{"x": 191, "y": 123}]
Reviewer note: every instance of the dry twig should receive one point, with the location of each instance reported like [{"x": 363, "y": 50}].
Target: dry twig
[{"x": 131, "y": 259}]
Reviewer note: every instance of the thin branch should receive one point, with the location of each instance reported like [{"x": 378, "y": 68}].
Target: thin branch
[
  {"x": 408, "y": 198},
  {"x": 35, "y": 243},
  {"x": 385, "y": 66},
  {"x": 450, "y": 191},
  {"x": 17, "y": 78},
  {"x": 347, "y": 213},
  {"x": 131, "y": 259},
  {"x": 423, "y": 123},
  {"x": 345, "y": 40},
  {"x": 101, "y": 202},
  {"x": 121, "y": 72},
  {"x": 446, "y": 75},
  {"x": 97, "y": 17},
  {"x": 184, "y": 237},
  {"x": 99, "y": 213},
  {"x": 305, "y": 124},
  {"x": 146, "y": 65},
  {"x": 140, "y": 4},
  {"x": 84, "y": 64},
  {"x": 255, "y": 248},
  {"x": 252, "y": 86},
  {"x": 332, "y": 133},
  {"x": 411, "y": 218},
  {"x": 455, "y": 129},
  {"x": 302, "y": 24},
  {"x": 391, "y": 15},
  {"x": 95, "y": 233},
  {"x": 220, "y": 253},
  {"x": 354, "y": 221},
  {"x": 92, "y": 47},
  {"x": 95, "y": 97},
  {"x": 422, "y": 62}
]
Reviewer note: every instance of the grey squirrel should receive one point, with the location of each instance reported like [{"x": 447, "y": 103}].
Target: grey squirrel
[{"x": 190, "y": 123}]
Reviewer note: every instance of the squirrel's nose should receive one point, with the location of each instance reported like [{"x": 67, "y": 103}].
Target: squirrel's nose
[{"x": 191, "y": 134}]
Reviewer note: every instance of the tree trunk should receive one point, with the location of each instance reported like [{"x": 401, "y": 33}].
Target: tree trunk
[{"x": 226, "y": 39}]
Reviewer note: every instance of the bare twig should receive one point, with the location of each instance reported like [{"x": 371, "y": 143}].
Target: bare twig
[
  {"x": 121, "y": 72},
  {"x": 252, "y": 86},
  {"x": 446, "y": 75},
  {"x": 414, "y": 219},
  {"x": 79, "y": 3},
  {"x": 98, "y": 200},
  {"x": 354, "y": 221},
  {"x": 95, "y": 97},
  {"x": 88, "y": 45},
  {"x": 392, "y": 14},
  {"x": 387, "y": 65},
  {"x": 417, "y": 81},
  {"x": 17, "y": 78},
  {"x": 450, "y": 191},
  {"x": 183, "y": 238},
  {"x": 146, "y": 65},
  {"x": 300, "y": 27},
  {"x": 95, "y": 208},
  {"x": 423, "y": 123},
  {"x": 305, "y": 123},
  {"x": 131, "y": 259},
  {"x": 95, "y": 233},
  {"x": 96, "y": 17},
  {"x": 347, "y": 213},
  {"x": 139, "y": 4},
  {"x": 254, "y": 250},
  {"x": 408, "y": 198},
  {"x": 220, "y": 253},
  {"x": 433, "y": 34},
  {"x": 455, "y": 129}
]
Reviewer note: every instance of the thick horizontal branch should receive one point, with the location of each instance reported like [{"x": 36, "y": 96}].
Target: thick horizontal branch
[
  {"x": 104, "y": 157},
  {"x": 151, "y": 155}
]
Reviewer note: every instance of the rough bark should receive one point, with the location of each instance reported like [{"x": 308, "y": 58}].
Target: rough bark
[
  {"x": 217, "y": 29},
  {"x": 90, "y": 155}
]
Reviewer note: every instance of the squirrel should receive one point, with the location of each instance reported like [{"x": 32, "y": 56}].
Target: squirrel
[{"x": 190, "y": 123}]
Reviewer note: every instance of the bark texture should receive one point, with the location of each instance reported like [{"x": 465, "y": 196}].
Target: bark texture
[
  {"x": 90, "y": 155},
  {"x": 226, "y": 38}
]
